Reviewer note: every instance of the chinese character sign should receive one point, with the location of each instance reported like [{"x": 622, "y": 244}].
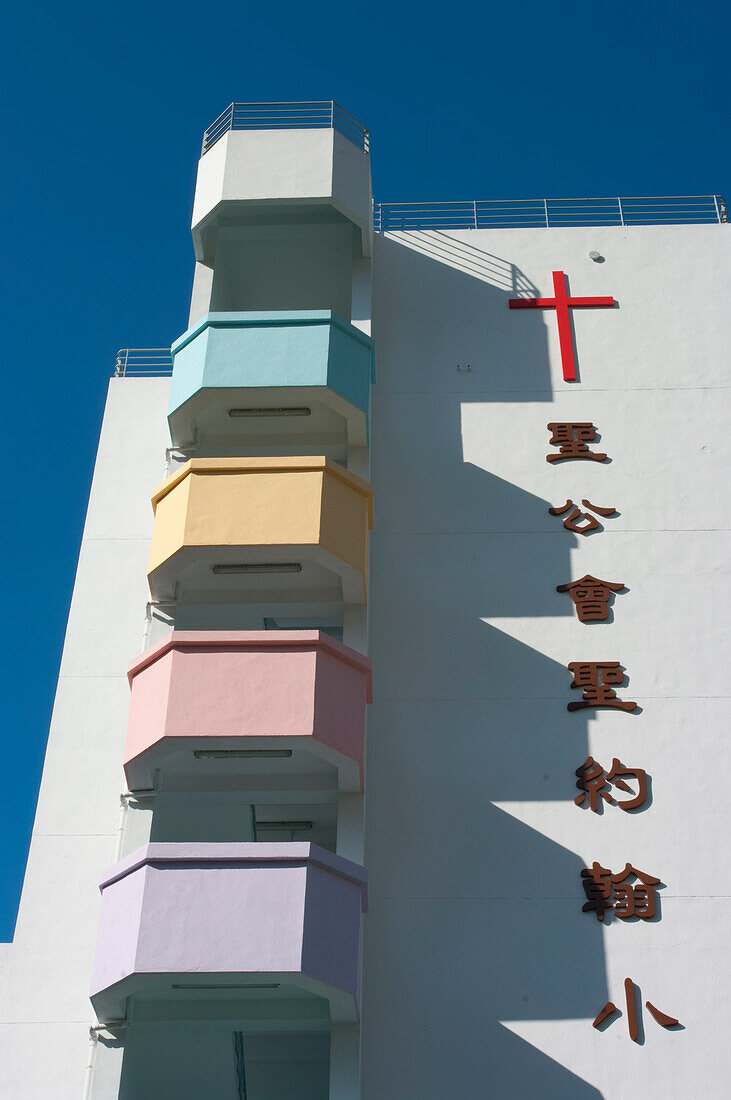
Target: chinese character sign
[
  {"x": 605, "y": 891},
  {"x": 595, "y": 785},
  {"x": 572, "y": 440},
  {"x": 632, "y": 1019},
  {"x": 587, "y": 522},
  {"x": 597, "y": 680},
  {"x": 591, "y": 597}
]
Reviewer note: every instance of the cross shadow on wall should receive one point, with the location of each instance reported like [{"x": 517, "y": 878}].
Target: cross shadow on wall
[{"x": 475, "y": 917}]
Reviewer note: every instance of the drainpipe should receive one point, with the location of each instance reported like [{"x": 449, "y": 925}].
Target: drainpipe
[
  {"x": 124, "y": 800},
  {"x": 166, "y": 606},
  {"x": 94, "y": 1032},
  {"x": 89, "y": 1072},
  {"x": 179, "y": 455}
]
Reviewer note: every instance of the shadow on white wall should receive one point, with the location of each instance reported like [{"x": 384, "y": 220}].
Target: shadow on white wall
[{"x": 475, "y": 917}]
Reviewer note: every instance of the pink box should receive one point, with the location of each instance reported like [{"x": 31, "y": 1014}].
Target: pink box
[{"x": 248, "y": 688}]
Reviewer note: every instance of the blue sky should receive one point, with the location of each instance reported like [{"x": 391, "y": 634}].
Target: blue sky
[{"x": 105, "y": 107}]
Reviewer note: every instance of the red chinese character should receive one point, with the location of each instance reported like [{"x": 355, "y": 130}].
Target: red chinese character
[
  {"x": 592, "y": 523},
  {"x": 634, "y": 901},
  {"x": 591, "y": 780},
  {"x": 597, "y": 884},
  {"x": 632, "y": 1020},
  {"x": 637, "y": 773},
  {"x": 591, "y": 597},
  {"x": 571, "y": 439},
  {"x": 596, "y": 678},
  {"x": 605, "y": 891}
]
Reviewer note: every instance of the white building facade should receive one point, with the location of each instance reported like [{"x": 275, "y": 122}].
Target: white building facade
[{"x": 371, "y": 472}]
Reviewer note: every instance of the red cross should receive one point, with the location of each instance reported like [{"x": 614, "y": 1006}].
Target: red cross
[{"x": 562, "y": 303}]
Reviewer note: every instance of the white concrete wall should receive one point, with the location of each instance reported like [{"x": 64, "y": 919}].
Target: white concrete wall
[
  {"x": 45, "y": 1013},
  {"x": 481, "y": 974},
  {"x": 5, "y": 949}
]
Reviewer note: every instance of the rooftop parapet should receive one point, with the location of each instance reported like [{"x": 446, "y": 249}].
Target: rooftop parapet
[{"x": 278, "y": 163}]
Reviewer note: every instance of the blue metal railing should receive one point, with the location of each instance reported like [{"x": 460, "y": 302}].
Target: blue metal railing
[
  {"x": 550, "y": 213},
  {"x": 319, "y": 114}
]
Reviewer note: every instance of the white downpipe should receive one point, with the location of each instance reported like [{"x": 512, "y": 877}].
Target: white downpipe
[
  {"x": 124, "y": 800},
  {"x": 166, "y": 606},
  {"x": 123, "y": 806},
  {"x": 89, "y": 1073},
  {"x": 94, "y": 1032}
]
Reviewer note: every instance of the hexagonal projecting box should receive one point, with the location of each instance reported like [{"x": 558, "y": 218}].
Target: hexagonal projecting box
[
  {"x": 303, "y": 375},
  {"x": 296, "y": 691},
  {"x": 261, "y": 175},
  {"x": 273, "y": 529},
  {"x": 180, "y": 922}
]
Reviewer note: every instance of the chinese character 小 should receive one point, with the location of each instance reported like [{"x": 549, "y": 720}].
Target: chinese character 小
[{"x": 632, "y": 1021}]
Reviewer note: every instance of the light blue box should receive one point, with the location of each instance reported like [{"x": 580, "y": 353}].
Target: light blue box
[{"x": 275, "y": 351}]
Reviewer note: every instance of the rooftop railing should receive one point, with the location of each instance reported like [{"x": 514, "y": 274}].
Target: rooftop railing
[
  {"x": 143, "y": 363},
  {"x": 320, "y": 114},
  {"x": 487, "y": 214},
  {"x": 550, "y": 213}
]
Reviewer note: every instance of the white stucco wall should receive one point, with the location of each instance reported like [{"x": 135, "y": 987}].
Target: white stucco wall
[
  {"x": 45, "y": 1013},
  {"x": 481, "y": 974},
  {"x": 5, "y": 949}
]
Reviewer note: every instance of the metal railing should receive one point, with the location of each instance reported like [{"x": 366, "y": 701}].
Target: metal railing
[
  {"x": 143, "y": 362},
  {"x": 550, "y": 213},
  {"x": 322, "y": 114}
]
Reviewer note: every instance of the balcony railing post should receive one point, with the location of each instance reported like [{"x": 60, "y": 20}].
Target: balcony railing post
[
  {"x": 475, "y": 209},
  {"x": 621, "y": 211},
  {"x": 545, "y": 210}
]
